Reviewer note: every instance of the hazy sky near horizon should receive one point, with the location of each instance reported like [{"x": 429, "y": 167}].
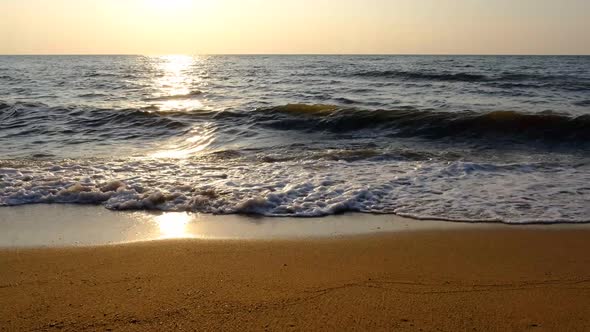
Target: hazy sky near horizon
[{"x": 294, "y": 26}]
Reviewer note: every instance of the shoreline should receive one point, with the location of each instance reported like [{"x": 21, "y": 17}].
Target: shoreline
[
  {"x": 446, "y": 280},
  {"x": 58, "y": 225}
]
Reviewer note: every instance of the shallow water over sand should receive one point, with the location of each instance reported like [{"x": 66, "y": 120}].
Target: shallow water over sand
[{"x": 70, "y": 225}]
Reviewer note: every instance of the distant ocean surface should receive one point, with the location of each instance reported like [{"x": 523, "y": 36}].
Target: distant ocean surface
[{"x": 461, "y": 138}]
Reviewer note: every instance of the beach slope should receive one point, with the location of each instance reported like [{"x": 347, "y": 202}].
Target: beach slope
[{"x": 472, "y": 280}]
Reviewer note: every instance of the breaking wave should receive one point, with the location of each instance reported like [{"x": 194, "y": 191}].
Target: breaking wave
[
  {"x": 20, "y": 119},
  {"x": 68, "y": 123},
  {"x": 545, "y": 126},
  {"x": 459, "y": 191}
]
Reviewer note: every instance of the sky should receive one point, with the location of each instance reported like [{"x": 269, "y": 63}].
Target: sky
[{"x": 294, "y": 26}]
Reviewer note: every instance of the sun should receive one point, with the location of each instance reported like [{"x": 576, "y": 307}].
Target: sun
[{"x": 170, "y": 4}]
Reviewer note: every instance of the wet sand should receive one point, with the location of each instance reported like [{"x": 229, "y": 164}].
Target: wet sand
[
  {"x": 80, "y": 225},
  {"x": 499, "y": 279}
]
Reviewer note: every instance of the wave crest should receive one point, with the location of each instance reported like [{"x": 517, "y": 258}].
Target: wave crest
[
  {"x": 427, "y": 76},
  {"x": 506, "y": 80},
  {"x": 59, "y": 127},
  {"x": 434, "y": 124}
]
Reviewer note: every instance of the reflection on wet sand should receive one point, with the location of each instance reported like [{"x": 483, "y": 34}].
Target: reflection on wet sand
[
  {"x": 66, "y": 225},
  {"x": 174, "y": 225}
]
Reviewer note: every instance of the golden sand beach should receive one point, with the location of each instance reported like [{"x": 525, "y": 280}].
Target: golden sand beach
[{"x": 498, "y": 279}]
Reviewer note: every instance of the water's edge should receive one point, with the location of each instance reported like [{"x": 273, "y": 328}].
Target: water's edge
[{"x": 36, "y": 226}]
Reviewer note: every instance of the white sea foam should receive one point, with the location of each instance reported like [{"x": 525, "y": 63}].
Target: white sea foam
[{"x": 451, "y": 191}]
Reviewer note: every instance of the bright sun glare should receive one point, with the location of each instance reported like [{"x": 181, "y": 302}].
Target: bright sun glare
[{"x": 170, "y": 4}]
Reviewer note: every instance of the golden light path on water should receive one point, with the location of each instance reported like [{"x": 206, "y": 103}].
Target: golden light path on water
[
  {"x": 175, "y": 92},
  {"x": 174, "y": 81}
]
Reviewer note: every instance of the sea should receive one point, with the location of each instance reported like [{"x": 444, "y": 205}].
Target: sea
[{"x": 456, "y": 138}]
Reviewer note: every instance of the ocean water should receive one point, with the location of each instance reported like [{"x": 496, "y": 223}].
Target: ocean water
[{"x": 461, "y": 138}]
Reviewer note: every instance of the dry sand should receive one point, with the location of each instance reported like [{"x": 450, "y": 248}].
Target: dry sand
[{"x": 506, "y": 279}]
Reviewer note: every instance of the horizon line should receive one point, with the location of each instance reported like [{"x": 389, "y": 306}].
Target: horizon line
[{"x": 291, "y": 54}]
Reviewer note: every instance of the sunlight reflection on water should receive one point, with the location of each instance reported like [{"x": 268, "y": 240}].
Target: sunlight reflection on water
[
  {"x": 201, "y": 137},
  {"x": 174, "y": 225},
  {"x": 173, "y": 83},
  {"x": 174, "y": 92}
]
